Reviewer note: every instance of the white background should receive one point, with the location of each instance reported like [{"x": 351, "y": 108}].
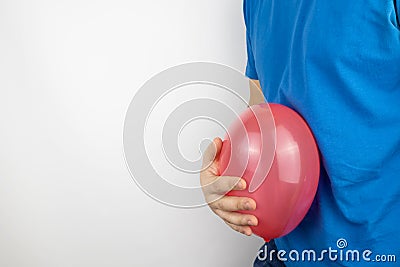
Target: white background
[{"x": 68, "y": 71}]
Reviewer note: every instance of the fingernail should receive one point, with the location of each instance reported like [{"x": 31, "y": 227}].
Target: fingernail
[
  {"x": 250, "y": 223},
  {"x": 247, "y": 206},
  {"x": 242, "y": 184}
]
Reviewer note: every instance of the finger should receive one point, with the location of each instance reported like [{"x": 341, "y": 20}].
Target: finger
[
  {"x": 212, "y": 151},
  {"x": 246, "y": 230},
  {"x": 231, "y": 203},
  {"x": 221, "y": 185},
  {"x": 237, "y": 218}
]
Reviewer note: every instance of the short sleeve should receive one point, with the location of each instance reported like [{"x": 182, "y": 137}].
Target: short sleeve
[
  {"x": 397, "y": 7},
  {"x": 250, "y": 66}
]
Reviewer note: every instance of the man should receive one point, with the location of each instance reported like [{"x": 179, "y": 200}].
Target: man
[{"x": 337, "y": 63}]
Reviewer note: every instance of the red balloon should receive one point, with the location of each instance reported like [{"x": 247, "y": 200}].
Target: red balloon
[{"x": 286, "y": 171}]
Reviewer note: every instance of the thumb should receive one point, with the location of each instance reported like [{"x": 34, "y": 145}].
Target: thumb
[{"x": 212, "y": 152}]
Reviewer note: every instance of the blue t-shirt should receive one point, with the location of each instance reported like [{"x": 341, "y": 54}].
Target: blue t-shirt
[{"x": 337, "y": 63}]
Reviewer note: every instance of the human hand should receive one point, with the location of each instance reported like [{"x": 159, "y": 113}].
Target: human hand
[{"x": 215, "y": 187}]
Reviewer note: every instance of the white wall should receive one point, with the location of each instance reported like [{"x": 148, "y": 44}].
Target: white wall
[{"x": 68, "y": 71}]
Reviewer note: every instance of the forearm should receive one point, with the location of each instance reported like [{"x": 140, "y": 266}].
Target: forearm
[{"x": 256, "y": 94}]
